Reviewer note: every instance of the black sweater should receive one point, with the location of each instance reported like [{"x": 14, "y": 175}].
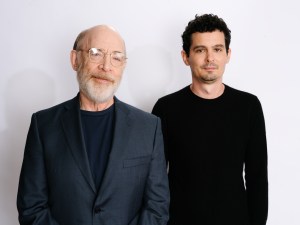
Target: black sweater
[{"x": 210, "y": 145}]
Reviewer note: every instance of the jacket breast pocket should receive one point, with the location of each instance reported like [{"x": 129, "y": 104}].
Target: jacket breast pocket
[{"x": 136, "y": 161}]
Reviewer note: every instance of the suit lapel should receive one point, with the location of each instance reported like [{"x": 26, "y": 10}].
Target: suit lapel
[
  {"x": 121, "y": 136},
  {"x": 73, "y": 132}
]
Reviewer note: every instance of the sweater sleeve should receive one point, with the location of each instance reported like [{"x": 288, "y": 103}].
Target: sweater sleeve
[{"x": 256, "y": 175}]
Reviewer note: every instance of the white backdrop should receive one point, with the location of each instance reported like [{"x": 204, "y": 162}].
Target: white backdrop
[{"x": 35, "y": 73}]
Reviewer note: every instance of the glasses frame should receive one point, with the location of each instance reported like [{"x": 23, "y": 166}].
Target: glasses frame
[{"x": 104, "y": 55}]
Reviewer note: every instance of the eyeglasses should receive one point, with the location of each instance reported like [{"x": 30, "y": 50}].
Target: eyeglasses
[{"x": 96, "y": 55}]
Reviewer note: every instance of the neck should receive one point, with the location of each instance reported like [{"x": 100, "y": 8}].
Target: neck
[
  {"x": 208, "y": 91},
  {"x": 88, "y": 105}
]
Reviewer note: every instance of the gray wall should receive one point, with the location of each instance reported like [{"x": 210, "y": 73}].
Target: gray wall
[{"x": 35, "y": 73}]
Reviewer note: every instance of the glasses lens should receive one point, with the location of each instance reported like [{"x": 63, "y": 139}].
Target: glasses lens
[
  {"x": 117, "y": 58},
  {"x": 96, "y": 55}
]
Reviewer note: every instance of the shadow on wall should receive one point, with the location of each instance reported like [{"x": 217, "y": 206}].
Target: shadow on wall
[
  {"x": 25, "y": 93},
  {"x": 149, "y": 72}
]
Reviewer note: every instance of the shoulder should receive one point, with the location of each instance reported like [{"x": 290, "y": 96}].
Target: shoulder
[
  {"x": 140, "y": 121},
  {"x": 172, "y": 100},
  {"x": 243, "y": 99},
  {"x": 133, "y": 111},
  {"x": 58, "y": 109},
  {"x": 175, "y": 96},
  {"x": 240, "y": 95}
]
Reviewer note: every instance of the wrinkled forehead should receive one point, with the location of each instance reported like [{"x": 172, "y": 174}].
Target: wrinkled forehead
[{"x": 103, "y": 38}]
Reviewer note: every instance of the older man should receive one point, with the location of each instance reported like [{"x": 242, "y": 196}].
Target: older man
[{"x": 94, "y": 159}]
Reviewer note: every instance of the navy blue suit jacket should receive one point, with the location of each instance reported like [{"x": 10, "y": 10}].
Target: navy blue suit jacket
[{"x": 56, "y": 185}]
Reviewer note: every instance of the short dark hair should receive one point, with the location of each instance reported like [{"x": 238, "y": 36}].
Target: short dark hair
[{"x": 204, "y": 23}]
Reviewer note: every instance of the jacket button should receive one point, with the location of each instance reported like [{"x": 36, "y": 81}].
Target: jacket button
[{"x": 97, "y": 209}]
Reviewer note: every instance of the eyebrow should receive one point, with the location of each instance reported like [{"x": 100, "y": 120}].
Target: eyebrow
[
  {"x": 214, "y": 46},
  {"x": 103, "y": 50},
  {"x": 219, "y": 46}
]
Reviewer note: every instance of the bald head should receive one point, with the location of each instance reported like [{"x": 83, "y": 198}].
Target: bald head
[
  {"x": 99, "y": 58},
  {"x": 105, "y": 32}
]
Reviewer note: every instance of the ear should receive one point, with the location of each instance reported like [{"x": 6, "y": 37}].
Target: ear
[
  {"x": 74, "y": 60},
  {"x": 185, "y": 58},
  {"x": 228, "y": 55}
]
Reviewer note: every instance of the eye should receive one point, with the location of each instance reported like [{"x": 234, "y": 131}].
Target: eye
[
  {"x": 117, "y": 56},
  {"x": 94, "y": 52},
  {"x": 218, "y": 49},
  {"x": 200, "y": 50}
]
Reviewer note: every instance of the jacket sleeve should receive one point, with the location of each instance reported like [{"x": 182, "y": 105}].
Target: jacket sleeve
[
  {"x": 156, "y": 194},
  {"x": 158, "y": 110},
  {"x": 256, "y": 175},
  {"x": 32, "y": 198}
]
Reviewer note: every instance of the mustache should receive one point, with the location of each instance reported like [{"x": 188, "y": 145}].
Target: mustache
[
  {"x": 209, "y": 65},
  {"x": 103, "y": 77},
  {"x": 84, "y": 74}
]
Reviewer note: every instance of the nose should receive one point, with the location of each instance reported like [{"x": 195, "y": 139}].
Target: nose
[
  {"x": 105, "y": 64},
  {"x": 210, "y": 56}
]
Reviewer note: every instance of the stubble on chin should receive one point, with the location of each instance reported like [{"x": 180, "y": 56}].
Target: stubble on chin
[
  {"x": 209, "y": 78},
  {"x": 205, "y": 78}
]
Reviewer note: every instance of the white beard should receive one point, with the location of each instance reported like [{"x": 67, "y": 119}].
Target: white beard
[{"x": 98, "y": 93}]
